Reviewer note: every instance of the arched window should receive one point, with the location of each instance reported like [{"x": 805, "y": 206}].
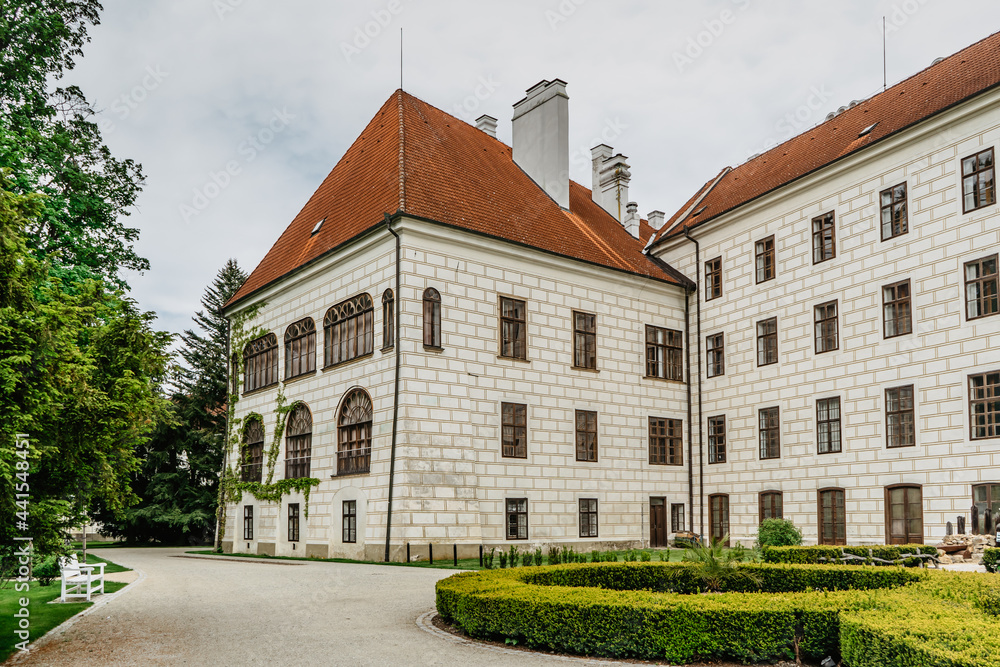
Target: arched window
[
  {"x": 298, "y": 442},
  {"x": 718, "y": 510},
  {"x": 388, "y": 319},
  {"x": 832, "y": 517},
  {"x": 300, "y": 348},
  {"x": 770, "y": 505},
  {"x": 253, "y": 450},
  {"x": 260, "y": 362},
  {"x": 354, "y": 433},
  {"x": 432, "y": 318},
  {"x": 348, "y": 330},
  {"x": 904, "y": 514}
]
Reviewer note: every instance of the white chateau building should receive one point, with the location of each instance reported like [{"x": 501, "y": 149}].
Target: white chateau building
[{"x": 484, "y": 352}]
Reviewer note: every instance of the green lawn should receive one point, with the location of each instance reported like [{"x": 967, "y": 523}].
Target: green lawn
[
  {"x": 43, "y": 617},
  {"x": 110, "y": 568}
]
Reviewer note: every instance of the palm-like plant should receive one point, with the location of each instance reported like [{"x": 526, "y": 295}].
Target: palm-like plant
[{"x": 716, "y": 566}]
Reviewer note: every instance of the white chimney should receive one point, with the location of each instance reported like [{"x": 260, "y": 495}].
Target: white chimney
[
  {"x": 611, "y": 176},
  {"x": 541, "y": 138},
  {"x": 631, "y": 221},
  {"x": 656, "y": 219},
  {"x": 487, "y": 124}
]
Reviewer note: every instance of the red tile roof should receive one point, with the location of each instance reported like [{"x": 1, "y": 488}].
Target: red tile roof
[
  {"x": 955, "y": 79},
  {"x": 417, "y": 159}
]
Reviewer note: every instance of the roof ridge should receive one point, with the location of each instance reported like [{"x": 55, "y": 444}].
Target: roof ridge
[{"x": 402, "y": 152}]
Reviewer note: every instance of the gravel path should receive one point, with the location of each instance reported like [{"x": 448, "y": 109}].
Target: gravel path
[{"x": 192, "y": 611}]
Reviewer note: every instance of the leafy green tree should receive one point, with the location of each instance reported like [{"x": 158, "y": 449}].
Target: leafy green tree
[{"x": 778, "y": 533}]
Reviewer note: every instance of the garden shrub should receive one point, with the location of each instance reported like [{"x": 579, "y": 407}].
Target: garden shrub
[
  {"x": 991, "y": 558},
  {"x": 778, "y": 533},
  {"x": 812, "y": 555},
  {"x": 47, "y": 571}
]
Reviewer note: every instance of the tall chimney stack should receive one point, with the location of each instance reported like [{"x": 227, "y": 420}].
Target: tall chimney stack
[
  {"x": 611, "y": 177},
  {"x": 541, "y": 138},
  {"x": 487, "y": 124}
]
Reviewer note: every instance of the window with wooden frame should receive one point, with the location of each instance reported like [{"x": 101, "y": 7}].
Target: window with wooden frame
[
  {"x": 978, "y": 188},
  {"x": 664, "y": 353},
  {"x": 298, "y": 442},
  {"x": 354, "y": 433},
  {"x": 892, "y": 203},
  {"x": 517, "y": 518},
  {"x": 388, "y": 319},
  {"x": 584, "y": 340},
  {"x": 828, "y": 440},
  {"x": 824, "y": 238},
  {"x": 260, "y": 363},
  {"x": 904, "y": 514},
  {"x": 665, "y": 441},
  {"x": 588, "y": 517},
  {"x": 981, "y": 288},
  {"x": 984, "y": 405},
  {"x": 985, "y": 508},
  {"x": 899, "y": 418},
  {"x": 896, "y": 309},
  {"x": 432, "y": 319},
  {"x": 827, "y": 329},
  {"x": 586, "y": 435},
  {"x": 293, "y": 522},
  {"x": 832, "y": 517},
  {"x": 713, "y": 279},
  {"x": 349, "y": 521},
  {"x": 718, "y": 511},
  {"x": 513, "y": 328},
  {"x": 300, "y": 348},
  {"x": 715, "y": 349},
  {"x": 770, "y": 505},
  {"x": 514, "y": 430},
  {"x": 764, "y": 259},
  {"x": 248, "y": 522},
  {"x": 676, "y": 517},
  {"x": 770, "y": 433},
  {"x": 767, "y": 341},
  {"x": 717, "y": 439},
  {"x": 252, "y": 465},
  {"x": 348, "y": 330}
]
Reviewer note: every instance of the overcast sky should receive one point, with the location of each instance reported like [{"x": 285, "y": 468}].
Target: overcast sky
[{"x": 279, "y": 90}]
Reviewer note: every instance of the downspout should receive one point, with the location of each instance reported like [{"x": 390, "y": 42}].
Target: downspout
[
  {"x": 221, "y": 505},
  {"x": 687, "y": 346},
  {"x": 395, "y": 391},
  {"x": 701, "y": 442}
]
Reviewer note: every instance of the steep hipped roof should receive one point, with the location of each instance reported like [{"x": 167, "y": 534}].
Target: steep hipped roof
[
  {"x": 955, "y": 79},
  {"x": 419, "y": 160}
]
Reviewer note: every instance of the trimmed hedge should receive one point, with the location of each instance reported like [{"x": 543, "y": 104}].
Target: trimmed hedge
[
  {"x": 991, "y": 558},
  {"x": 904, "y": 617},
  {"x": 811, "y": 555}
]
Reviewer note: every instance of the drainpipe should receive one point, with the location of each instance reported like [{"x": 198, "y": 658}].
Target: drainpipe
[
  {"x": 687, "y": 346},
  {"x": 221, "y": 505},
  {"x": 395, "y": 392},
  {"x": 701, "y": 442}
]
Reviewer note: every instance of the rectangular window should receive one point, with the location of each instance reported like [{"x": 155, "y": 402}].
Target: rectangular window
[
  {"x": 664, "y": 353},
  {"x": 977, "y": 181},
  {"x": 248, "y": 522},
  {"x": 586, "y": 435},
  {"x": 770, "y": 439},
  {"x": 827, "y": 331},
  {"x": 985, "y": 508},
  {"x": 899, "y": 422},
  {"x": 824, "y": 238},
  {"x": 904, "y": 506},
  {"x": 513, "y": 329},
  {"x": 718, "y": 507},
  {"x": 713, "y": 279},
  {"x": 676, "y": 517},
  {"x": 767, "y": 341},
  {"x": 716, "y": 355},
  {"x": 665, "y": 444},
  {"x": 517, "y": 518},
  {"x": 984, "y": 408},
  {"x": 584, "y": 340},
  {"x": 514, "y": 430},
  {"x": 588, "y": 517},
  {"x": 828, "y": 425},
  {"x": 764, "y": 259},
  {"x": 893, "y": 207},
  {"x": 293, "y": 522},
  {"x": 350, "y": 521},
  {"x": 896, "y": 309},
  {"x": 832, "y": 517},
  {"x": 981, "y": 287},
  {"x": 717, "y": 439},
  {"x": 770, "y": 505}
]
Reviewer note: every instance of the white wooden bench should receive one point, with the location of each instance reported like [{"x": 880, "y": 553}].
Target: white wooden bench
[{"x": 80, "y": 581}]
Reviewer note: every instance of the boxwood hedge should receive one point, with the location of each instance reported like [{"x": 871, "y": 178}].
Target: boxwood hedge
[
  {"x": 991, "y": 558},
  {"x": 870, "y": 616},
  {"x": 812, "y": 555}
]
